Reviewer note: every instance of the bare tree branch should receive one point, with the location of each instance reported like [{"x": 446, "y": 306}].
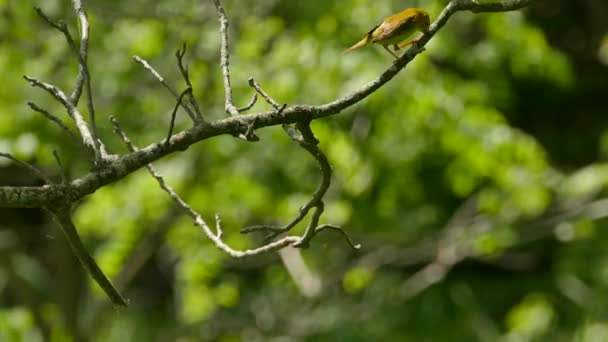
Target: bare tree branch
[
  {"x": 59, "y": 198},
  {"x": 84, "y": 129},
  {"x": 307, "y": 141},
  {"x": 234, "y": 125},
  {"x": 216, "y": 238},
  {"x": 83, "y": 80},
  {"x": 229, "y": 106}
]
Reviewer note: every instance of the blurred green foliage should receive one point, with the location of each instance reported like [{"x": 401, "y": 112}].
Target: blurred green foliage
[{"x": 484, "y": 158}]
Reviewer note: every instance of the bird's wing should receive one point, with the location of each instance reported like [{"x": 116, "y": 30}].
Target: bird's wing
[{"x": 392, "y": 27}]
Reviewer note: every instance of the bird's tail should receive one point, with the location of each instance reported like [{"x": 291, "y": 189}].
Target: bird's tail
[{"x": 360, "y": 44}]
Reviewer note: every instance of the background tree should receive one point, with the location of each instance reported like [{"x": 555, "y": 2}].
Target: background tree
[{"x": 467, "y": 178}]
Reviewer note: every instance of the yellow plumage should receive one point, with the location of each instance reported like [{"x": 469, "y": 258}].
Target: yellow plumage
[{"x": 395, "y": 29}]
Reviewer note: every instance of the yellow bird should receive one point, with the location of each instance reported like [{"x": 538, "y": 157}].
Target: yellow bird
[{"x": 395, "y": 29}]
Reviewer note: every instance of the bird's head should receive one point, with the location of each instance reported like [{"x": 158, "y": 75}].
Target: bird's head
[{"x": 422, "y": 20}]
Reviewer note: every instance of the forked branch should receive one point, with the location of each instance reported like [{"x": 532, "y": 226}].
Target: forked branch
[
  {"x": 123, "y": 165},
  {"x": 304, "y": 136},
  {"x": 60, "y": 197},
  {"x": 216, "y": 238}
]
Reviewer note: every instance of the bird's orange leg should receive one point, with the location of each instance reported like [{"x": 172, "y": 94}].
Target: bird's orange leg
[
  {"x": 401, "y": 46},
  {"x": 389, "y": 51}
]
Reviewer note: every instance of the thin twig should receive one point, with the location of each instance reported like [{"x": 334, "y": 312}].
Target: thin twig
[
  {"x": 162, "y": 81},
  {"x": 63, "y": 28},
  {"x": 277, "y": 107},
  {"x": 311, "y": 229},
  {"x": 54, "y": 119},
  {"x": 179, "y": 101},
  {"x": 84, "y": 76},
  {"x": 249, "y": 105},
  {"x": 338, "y": 229},
  {"x": 225, "y": 59},
  {"x": 218, "y": 226},
  {"x": 28, "y": 166},
  {"x": 155, "y": 73},
  {"x": 255, "y": 85},
  {"x": 183, "y": 69},
  {"x": 64, "y": 174}
]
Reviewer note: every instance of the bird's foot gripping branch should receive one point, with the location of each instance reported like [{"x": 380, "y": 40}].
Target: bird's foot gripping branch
[{"x": 59, "y": 197}]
